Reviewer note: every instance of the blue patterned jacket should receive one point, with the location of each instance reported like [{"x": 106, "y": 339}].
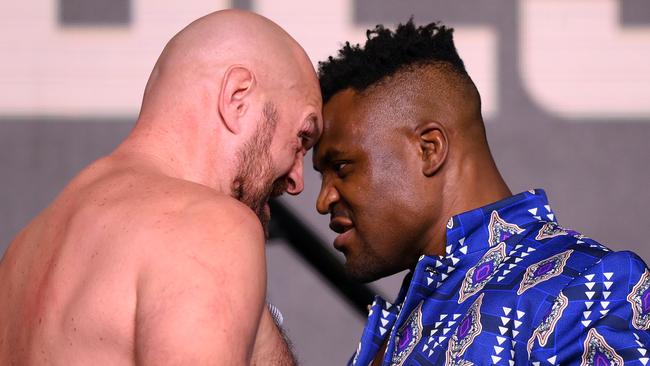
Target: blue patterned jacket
[{"x": 515, "y": 288}]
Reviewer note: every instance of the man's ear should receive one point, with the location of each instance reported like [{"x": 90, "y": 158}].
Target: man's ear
[
  {"x": 434, "y": 146},
  {"x": 237, "y": 84}
]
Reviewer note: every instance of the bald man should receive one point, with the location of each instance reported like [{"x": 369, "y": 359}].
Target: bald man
[
  {"x": 154, "y": 254},
  {"x": 410, "y": 184}
]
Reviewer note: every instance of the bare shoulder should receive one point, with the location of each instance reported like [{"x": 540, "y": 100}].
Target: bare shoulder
[
  {"x": 226, "y": 216},
  {"x": 197, "y": 224},
  {"x": 202, "y": 286},
  {"x": 140, "y": 213},
  {"x": 200, "y": 217}
]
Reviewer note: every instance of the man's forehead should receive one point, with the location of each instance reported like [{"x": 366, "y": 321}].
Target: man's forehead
[
  {"x": 356, "y": 108},
  {"x": 306, "y": 102},
  {"x": 340, "y": 132},
  {"x": 348, "y": 113}
]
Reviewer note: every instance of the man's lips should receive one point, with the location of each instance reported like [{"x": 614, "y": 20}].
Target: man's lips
[
  {"x": 344, "y": 226},
  {"x": 341, "y": 242},
  {"x": 341, "y": 224}
]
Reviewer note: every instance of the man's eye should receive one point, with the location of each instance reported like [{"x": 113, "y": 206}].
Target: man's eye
[
  {"x": 338, "y": 166},
  {"x": 305, "y": 140}
]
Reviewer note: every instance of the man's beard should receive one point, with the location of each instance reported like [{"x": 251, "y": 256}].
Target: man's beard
[{"x": 254, "y": 182}]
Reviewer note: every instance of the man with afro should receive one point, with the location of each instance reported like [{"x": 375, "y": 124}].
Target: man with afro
[{"x": 409, "y": 182}]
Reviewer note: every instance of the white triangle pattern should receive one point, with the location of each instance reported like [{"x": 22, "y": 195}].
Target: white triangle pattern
[
  {"x": 440, "y": 331},
  {"x": 594, "y": 294},
  {"x": 604, "y": 303},
  {"x": 606, "y": 293}
]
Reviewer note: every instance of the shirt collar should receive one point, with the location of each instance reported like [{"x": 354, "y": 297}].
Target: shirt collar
[
  {"x": 479, "y": 230},
  {"x": 484, "y": 227}
]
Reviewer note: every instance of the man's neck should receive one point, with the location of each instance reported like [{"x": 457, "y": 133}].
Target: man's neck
[
  {"x": 477, "y": 184},
  {"x": 185, "y": 154}
]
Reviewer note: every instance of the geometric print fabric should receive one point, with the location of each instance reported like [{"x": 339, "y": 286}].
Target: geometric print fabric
[{"x": 514, "y": 287}]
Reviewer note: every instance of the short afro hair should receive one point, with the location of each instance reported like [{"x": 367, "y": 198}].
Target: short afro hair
[{"x": 385, "y": 53}]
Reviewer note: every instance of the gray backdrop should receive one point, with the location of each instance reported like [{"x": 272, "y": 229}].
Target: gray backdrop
[{"x": 595, "y": 171}]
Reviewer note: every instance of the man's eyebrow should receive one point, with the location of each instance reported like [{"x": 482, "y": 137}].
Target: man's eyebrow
[
  {"x": 327, "y": 157},
  {"x": 312, "y": 120}
]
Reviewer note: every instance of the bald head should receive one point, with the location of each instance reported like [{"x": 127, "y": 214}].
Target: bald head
[
  {"x": 194, "y": 62},
  {"x": 232, "y": 103}
]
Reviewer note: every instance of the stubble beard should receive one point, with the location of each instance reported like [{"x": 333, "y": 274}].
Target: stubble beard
[
  {"x": 254, "y": 182},
  {"x": 366, "y": 268},
  {"x": 366, "y": 264}
]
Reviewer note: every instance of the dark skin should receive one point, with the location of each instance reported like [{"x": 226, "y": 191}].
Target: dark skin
[
  {"x": 360, "y": 164},
  {"x": 397, "y": 161}
]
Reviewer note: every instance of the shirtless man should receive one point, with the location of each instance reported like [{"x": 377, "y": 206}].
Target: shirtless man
[{"x": 154, "y": 254}]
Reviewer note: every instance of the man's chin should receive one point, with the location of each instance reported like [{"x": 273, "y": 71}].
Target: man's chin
[
  {"x": 362, "y": 274},
  {"x": 369, "y": 268}
]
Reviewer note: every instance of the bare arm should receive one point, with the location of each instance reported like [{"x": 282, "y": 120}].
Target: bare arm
[
  {"x": 271, "y": 347},
  {"x": 200, "y": 299}
]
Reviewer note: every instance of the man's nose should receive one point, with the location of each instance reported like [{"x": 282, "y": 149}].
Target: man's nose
[
  {"x": 295, "y": 182},
  {"x": 327, "y": 196}
]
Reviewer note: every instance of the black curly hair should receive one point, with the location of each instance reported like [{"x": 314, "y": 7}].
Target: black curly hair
[{"x": 385, "y": 53}]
